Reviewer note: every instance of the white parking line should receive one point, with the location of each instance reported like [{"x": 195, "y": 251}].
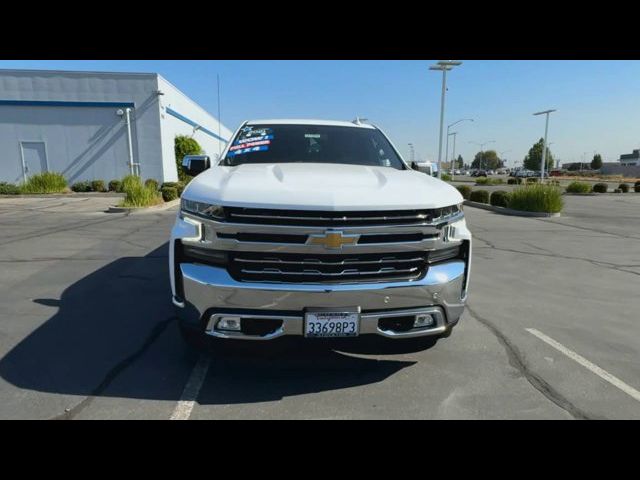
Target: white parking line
[
  {"x": 191, "y": 389},
  {"x": 629, "y": 390}
]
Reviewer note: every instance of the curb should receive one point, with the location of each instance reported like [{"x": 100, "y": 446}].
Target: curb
[
  {"x": 509, "y": 211},
  {"x": 155, "y": 208},
  {"x": 67, "y": 195},
  {"x": 593, "y": 194}
]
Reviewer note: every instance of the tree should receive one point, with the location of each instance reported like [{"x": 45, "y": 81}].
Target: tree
[
  {"x": 487, "y": 160},
  {"x": 460, "y": 162},
  {"x": 596, "y": 163},
  {"x": 533, "y": 160},
  {"x": 185, "y": 145}
]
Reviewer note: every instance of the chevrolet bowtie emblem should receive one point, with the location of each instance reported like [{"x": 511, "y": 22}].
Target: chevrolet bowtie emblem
[{"x": 333, "y": 240}]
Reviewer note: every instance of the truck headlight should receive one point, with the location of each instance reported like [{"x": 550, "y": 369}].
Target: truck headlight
[
  {"x": 450, "y": 211},
  {"x": 201, "y": 209}
]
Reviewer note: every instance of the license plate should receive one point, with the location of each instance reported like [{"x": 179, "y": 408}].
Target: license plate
[{"x": 327, "y": 323}]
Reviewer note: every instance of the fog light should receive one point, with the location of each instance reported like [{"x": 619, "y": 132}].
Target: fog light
[
  {"x": 229, "y": 323},
  {"x": 423, "y": 320}
]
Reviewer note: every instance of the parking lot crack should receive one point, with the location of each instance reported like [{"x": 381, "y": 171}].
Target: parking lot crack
[
  {"x": 516, "y": 360},
  {"x": 597, "y": 263},
  {"x": 116, "y": 370},
  {"x": 597, "y": 230},
  {"x": 50, "y": 231}
]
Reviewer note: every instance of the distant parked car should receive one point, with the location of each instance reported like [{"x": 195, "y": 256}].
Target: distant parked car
[
  {"x": 479, "y": 173},
  {"x": 537, "y": 174}
]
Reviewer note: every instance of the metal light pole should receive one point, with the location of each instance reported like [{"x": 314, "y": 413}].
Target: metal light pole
[
  {"x": 446, "y": 156},
  {"x": 500, "y": 155},
  {"x": 544, "y": 145},
  {"x": 453, "y": 156},
  {"x": 444, "y": 66},
  {"x": 482, "y": 149},
  {"x": 446, "y": 152}
]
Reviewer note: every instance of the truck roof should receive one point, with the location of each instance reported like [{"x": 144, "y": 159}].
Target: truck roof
[{"x": 308, "y": 121}]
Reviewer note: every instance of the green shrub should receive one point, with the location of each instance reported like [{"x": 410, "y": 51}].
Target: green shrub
[
  {"x": 532, "y": 180},
  {"x": 46, "y": 182},
  {"x": 536, "y": 198},
  {"x": 151, "y": 183},
  {"x": 445, "y": 177},
  {"x": 480, "y": 196},
  {"x": 515, "y": 181},
  {"x": 179, "y": 186},
  {"x": 184, "y": 145},
  {"x": 578, "y": 187},
  {"x": 489, "y": 181},
  {"x": 115, "y": 186},
  {"x": 169, "y": 193},
  {"x": 81, "y": 187},
  {"x": 130, "y": 182},
  {"x": 465, "y": 191},
  {"x": 636, "y": 187},
  {"x": 98, "y": 186},
  {"x": 138, "y": 195},
  {"x": 499, "y": 198},
  {"x": 9, "y": 189},
  {"x": 623, "y": 187},
  {"x": 617, "y": 190},
  {"x": 600, "y": 188}
]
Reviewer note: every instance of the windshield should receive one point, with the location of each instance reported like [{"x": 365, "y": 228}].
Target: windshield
[{"x": 311, "y": 143}]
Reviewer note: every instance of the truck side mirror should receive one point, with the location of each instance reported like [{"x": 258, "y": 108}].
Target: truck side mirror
[{"x": 193, "y": 165}]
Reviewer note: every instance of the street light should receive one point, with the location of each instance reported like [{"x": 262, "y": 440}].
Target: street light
[
  {"x": 446, "y": 156},
  {"x": 544, "y": 145},
  {"x": 482, "y": 149},
  {"x": 444, "y": 66},
  {"x": 501, "y": 154}
]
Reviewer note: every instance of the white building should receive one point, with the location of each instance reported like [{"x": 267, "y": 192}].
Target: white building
[
  {"x": 630, "y": 159},
  {"x": 75, "y": 123}
]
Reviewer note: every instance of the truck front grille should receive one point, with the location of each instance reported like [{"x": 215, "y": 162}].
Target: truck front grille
[
  {"x": 303, "y": 268},
  {"x": 259, "y": 216}
]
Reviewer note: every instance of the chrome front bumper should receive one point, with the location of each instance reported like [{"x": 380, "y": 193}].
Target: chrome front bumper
[{"x": 209, "y": 291}]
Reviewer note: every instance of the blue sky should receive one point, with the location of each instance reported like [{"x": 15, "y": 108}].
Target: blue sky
[{"x": 597, "y": 101}]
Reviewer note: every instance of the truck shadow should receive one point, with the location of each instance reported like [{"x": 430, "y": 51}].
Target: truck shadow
[{"x": 114, "y": 334}]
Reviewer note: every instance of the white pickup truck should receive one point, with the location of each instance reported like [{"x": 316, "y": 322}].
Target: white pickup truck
[{"x": 317, "y": 229}]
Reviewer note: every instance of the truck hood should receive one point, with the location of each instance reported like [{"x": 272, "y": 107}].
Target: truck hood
[{"x": 314, "y": 186}]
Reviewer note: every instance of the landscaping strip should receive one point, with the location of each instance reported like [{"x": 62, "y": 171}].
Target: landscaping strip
[
  {"x": 131, "y": 210},
  {"x": 66, "y": 195},
  {"x": 509, "y": 211}
]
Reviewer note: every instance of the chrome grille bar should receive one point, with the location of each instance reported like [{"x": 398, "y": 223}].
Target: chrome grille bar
[
  {"x": 333, "y": 219},
  {"x": 386, "y": 270},
  {"x": 315, "y": 261}
]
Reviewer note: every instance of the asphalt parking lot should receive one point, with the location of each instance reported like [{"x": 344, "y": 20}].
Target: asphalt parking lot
[{"x": 87, "y": 328}]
